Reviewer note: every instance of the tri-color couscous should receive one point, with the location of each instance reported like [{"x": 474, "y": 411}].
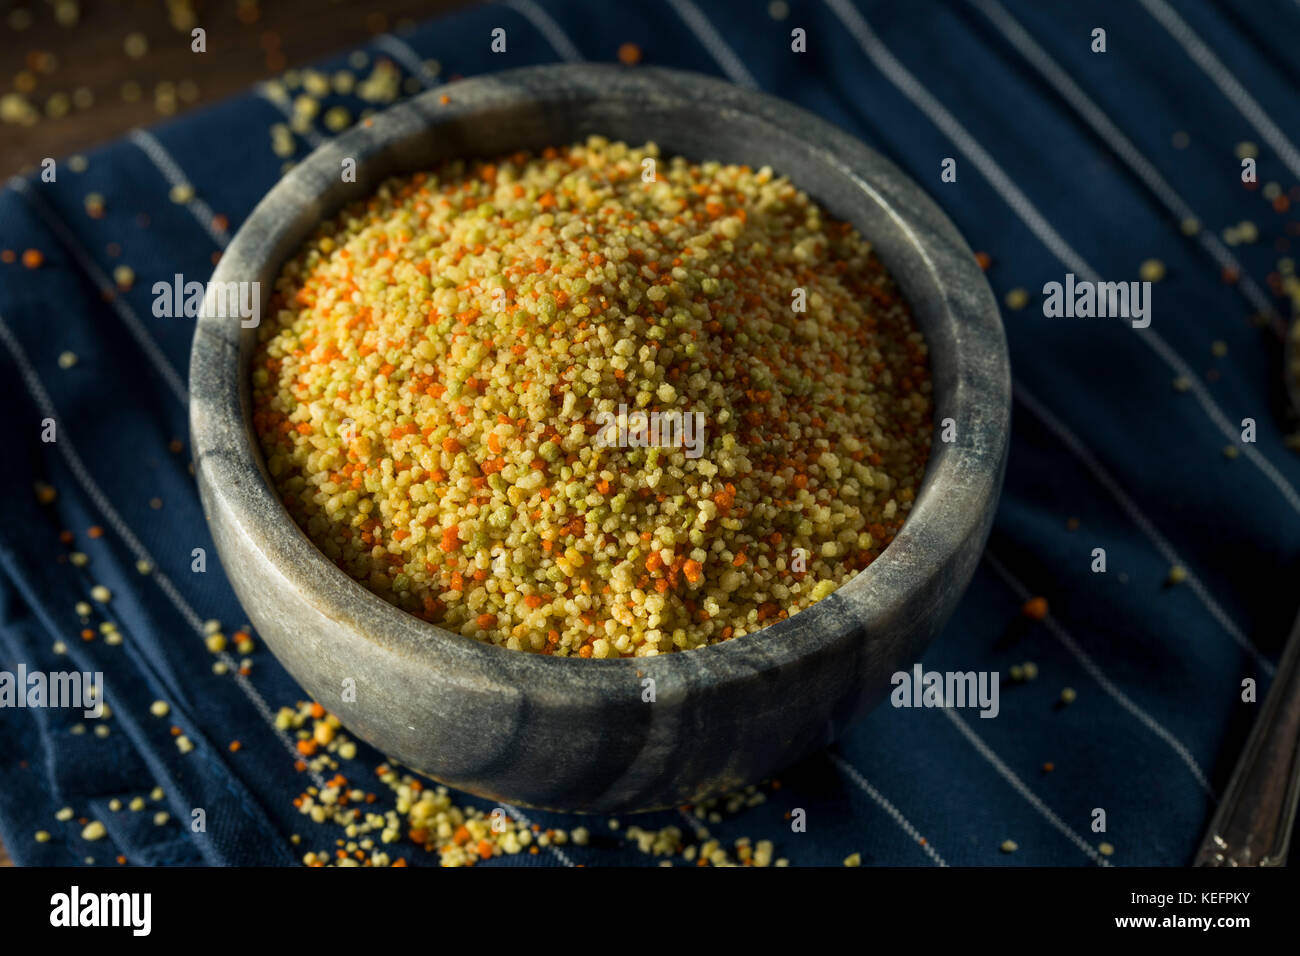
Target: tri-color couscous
[{"x": 430, "y": 389}]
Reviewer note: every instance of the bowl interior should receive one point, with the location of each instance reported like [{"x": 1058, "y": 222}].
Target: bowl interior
[{"x": 701, "y": 119}]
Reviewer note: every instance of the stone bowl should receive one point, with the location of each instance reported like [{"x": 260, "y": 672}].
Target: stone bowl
[{"x": 567, "y": 733}]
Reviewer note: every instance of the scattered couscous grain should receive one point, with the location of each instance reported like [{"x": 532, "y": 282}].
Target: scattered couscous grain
[
  {"x": 1009, "y": 846},
  {"x": 101, "y": 594},
  {"x": 1068, "y": 695},
  {"x": 160, "y": 708},
  {"x": 42, "y": 836},
  {"x": 1151, "y": 270},
  {"x": 94, "y": 830},
  {"x": 455, "y": 398},
  {"x": 67, "y": 360},
  {"x": 1017, "y": 299},
  {"x": 136, "y": 45},
  {"x": 853, "y": 859},
  {"x": 1177, "y": 574},
  {"x": 1035, "y": 608},
  {"x": 1105, "y": 849}
]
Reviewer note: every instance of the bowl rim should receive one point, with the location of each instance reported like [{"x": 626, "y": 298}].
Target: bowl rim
[{"x": 230, "y": 467}]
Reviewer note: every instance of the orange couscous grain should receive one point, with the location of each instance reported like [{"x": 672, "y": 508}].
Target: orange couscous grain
[{"x": 453, "y": 389}]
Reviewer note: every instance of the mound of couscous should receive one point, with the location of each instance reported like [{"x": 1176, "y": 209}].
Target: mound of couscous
[{"x": 593, "y": 402}]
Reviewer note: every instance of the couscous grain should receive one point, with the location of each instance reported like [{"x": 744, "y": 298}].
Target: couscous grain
[{"x": 434, "y": 388}]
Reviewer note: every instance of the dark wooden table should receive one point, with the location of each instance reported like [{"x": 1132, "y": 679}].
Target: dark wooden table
[
  {"x": 68, "y": 78},
  {"x": 82, "y": 68}
]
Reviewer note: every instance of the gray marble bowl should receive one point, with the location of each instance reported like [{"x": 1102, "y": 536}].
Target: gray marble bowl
[{"x": 573, "y": 734}]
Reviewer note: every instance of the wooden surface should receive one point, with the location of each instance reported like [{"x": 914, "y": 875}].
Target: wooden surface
[{"x": 45, "y": 61}]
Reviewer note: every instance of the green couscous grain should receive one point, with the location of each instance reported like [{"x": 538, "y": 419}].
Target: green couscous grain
[{"x": 453, "y": 391}]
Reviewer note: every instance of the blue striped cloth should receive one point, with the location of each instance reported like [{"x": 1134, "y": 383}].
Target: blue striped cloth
[{"x": 1068, "y": 160}]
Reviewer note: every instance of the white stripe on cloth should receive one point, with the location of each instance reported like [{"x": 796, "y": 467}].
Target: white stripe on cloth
[
  {"x": 853, "y": 774},
  {"x": 708, "y": 35},
  {"x": 199, "y": 209},
  {"x": 1145, "y": 525},
  {"x": 548, "y": 28},
  {"x": 910, "y": 87},
  {"x": 79, "y": 471},
  {"x": 1097, "y": 674},
  {"x": 1228, "y": 84},
  {"x": 107, "y": 289},
  {"x": 519, "y": 817},
  {"x": 1123, "y": 147},
  {"x": 1019, "y": 786}
]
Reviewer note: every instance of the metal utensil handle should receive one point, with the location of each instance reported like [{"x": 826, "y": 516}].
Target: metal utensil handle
[{"x": 1252, "y": 826}]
